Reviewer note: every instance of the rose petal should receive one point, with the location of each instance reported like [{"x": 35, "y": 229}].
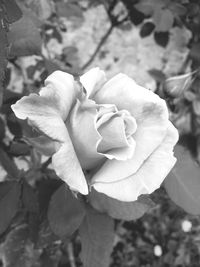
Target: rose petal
[
  {"x": 42, "y": 114},
  {"x": 150, "y": 175},
  {"x": 67, "y": 167},
  {"x": 93, "y": 80},
  {"x": 60, "y": 90},
  {"x": 114, "y": 143},
  {"x": 84, "y": 134},
  {"x": 151, "y": 115}
]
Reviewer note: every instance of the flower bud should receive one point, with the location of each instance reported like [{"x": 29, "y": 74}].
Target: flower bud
[{"x": 177, "y": 85}]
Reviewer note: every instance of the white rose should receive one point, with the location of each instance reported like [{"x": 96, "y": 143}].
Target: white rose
[{"x": 116, "y": 131}]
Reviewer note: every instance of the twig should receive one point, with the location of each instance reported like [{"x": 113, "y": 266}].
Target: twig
[
  {"x": 104, "y": 38},
  {"x": 71, "y": 255}
]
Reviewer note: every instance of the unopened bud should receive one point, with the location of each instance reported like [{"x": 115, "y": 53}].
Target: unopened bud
[{"x": 177, "y": 85}]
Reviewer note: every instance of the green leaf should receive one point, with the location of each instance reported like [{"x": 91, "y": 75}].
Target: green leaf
[
  {"x": 158, "y": 75},
  {"x": 161, "y": 38},
  {"x": 97, "y": 236},
  {"x": 29, "y": 198},
  {"x": 18, "y": 250},
  {"x": 146, "y": 29},
  {"x": 13, "y": 12},
  {"x": 65, "y": 212},
  {"x": 9, "y": 202},
  {"x": 120, "y": 210},
  {"x": 183, "y": 183},
  {"x": 163, "y": 19},
  {"x": 24, "y": 36},
  {"x": 3, "y": 52},
  {"x": 69, "y": 10},
  {"x": 8, "y": 164}
]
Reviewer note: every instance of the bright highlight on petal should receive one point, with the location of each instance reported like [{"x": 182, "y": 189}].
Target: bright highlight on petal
[
  {"x": 93, "y": 80},
  {"x": 61, "y": 90}
]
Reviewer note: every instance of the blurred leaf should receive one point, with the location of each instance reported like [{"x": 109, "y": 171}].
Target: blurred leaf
[
  {"x": 177, "y": 85},
  {"x": 2, "y": 129},
  {"x": 13, "y": 12},
  {"x": 183, "y": 183},
  {"x": 97, "y": 237},
  {"x": 177, "y": 8},
  {"x": 24, "y": 37},
  {"x": 45, "y": 236},
  {"x": 14, "y": 125},
  {"x": 136, "y": 16},
  {"x": 145, "y": 6},
  {"x": 51, "y": 66},
  {"x": 161, "y": 38},
  {"x": 42, "y": 8},
  {"x": 9, "y": 202},
  {"x": 8, "y": 164},
  {"x": 18, "y": 148},
  {"x": 65, "y": 212},
  {"x": 158, "y": 75},
  {"x": 18, "y": 250},
  {"x": 46, "y": 188},
  {"x": 195, "y": 52},
  {"x": 163, "y": 19},
  {"x": 68, "y": 10},
  {"x": 146, "y": 29},
  {"x": 3, "y": 51},
  {"x": 29, "y": 198},
  {"x": 120, "y": 210}
]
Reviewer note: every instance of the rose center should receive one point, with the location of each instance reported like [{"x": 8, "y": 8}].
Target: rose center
[{"x": 116, "y": 129}]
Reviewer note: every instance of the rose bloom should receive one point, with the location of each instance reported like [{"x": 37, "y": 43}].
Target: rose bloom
[{"x": 114, "y": 136}]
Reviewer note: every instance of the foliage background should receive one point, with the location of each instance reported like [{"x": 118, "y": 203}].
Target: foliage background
[{"x": 148, "y": 40}]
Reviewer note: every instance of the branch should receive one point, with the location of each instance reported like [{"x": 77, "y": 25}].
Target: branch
[{"x": 103, "y": 40}]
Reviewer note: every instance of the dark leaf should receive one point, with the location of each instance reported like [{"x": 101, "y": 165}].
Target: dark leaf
[
  {"x": 2, "y": 129},
  {"x": 3, "y": 53},
  {"x": 158, "y": 75},
  {"x": 24, "y": 37},
  {"x": 136, "y": 16},
  {"x": 183, "y": 183},
  {"x": 46, "y": 188},
  {"x": 147, "y": 29},
  {"x": 65, "y": 212},
  {"x": 29, "y": 198},
  {"x": 14, "y": 125},
  {"x": 19, "y": 148},
  {"x": 195, "y": 52},
  {"x": 120, "y": 210},
  {"x": 8, "y": 164},
  {"x": 13, "y": 12},
  {"x": 51, "y": 66},
  {"x": 49, "y": 260},
  {"x": 97, "y": 237},
  {"x": 161, "y": 38},
  {"x": 9, "y": 202}
]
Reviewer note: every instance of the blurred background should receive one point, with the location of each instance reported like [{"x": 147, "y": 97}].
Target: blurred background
[{"x": 155, "y": 42}]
